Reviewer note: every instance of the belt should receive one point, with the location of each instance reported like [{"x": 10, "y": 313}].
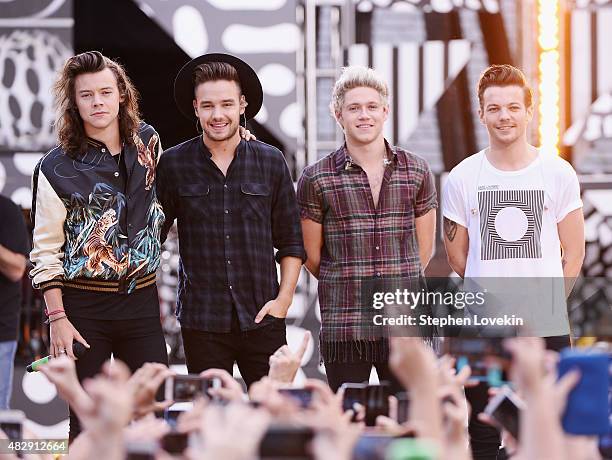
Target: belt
[{"x": 120, "y": 286}]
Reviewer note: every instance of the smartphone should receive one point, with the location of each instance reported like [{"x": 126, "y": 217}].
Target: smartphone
[
  {"x": 374, "y": 398},
  {"x": 174, "y": 442},
  {"x": 377, "y": 402},
  {"x": 487, "y": 358},
  {"x": 171, "y": 416},
  {"x": 505, "y": 409},
  {"x": 140, "y": 450},
  {"x": 586, "y": 411},
  {"x": 303, "y": 396},
  {"x": 283, "y": 442},
  {"x": 11, "y": 422},
  {"x": 403, "y": 406},
  {"x": 354, "y": 393},
  {"x": 185, "y": 388}
]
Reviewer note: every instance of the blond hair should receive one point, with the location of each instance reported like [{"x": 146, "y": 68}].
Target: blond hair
[{"x": 354, "y": 77}]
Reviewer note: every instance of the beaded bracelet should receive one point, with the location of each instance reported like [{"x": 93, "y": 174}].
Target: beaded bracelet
[{"x": 54, "y": 312}]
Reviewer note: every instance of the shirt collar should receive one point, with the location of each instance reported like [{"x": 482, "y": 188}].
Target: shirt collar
[
  {"x": 95, "y": 143},
  {"x": 204, "y": 150},
  {"x": 344, "y": 161}
]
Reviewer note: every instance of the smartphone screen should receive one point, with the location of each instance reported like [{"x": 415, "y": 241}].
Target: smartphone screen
[
  {"x": 303, "y": 396},
  {"x": 354, "y": 393},
  {"x": 174, "y": 442},
  {"x": 505, "y": 410},
  {"x": 11, "y": 422}
]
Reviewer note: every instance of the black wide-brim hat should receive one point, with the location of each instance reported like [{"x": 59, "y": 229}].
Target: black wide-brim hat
[{"x": 249, "y": 82}]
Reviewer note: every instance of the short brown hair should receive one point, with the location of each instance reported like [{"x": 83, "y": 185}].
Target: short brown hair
[
  {"x": 68, "y": 122},
  {"x": 213, "y": 71},
  {"x": 503, "y": 75}
]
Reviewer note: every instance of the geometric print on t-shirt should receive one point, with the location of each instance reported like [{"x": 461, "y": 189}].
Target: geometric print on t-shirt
[{"x": 510, "y": 224}]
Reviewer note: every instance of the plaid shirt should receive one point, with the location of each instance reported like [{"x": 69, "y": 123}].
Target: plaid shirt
[
  {"x": 360, "y": 241},
  {"x": 228, "y": 227}
]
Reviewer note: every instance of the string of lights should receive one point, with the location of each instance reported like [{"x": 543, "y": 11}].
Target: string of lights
[{"x": 549, "y": 75}]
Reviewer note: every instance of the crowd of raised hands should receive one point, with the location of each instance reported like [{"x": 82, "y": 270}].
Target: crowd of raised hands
[{"x": 118, "y": 410}]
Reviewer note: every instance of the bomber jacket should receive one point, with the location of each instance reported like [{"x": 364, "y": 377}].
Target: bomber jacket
[{"x": 93, "y": 229}]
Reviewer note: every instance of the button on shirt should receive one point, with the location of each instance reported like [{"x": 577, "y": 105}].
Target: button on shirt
[
  {"x": 228, "y": 227},
  {"x": 363, "y": 242}
]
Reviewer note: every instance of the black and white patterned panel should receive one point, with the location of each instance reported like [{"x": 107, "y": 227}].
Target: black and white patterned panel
[
  {"x": 35, "y": 40},
  {"x": 262, "y": 32},
  {"x": 418, "y": 75},
  {"x": 591, "y": 300},
  {"x": 511, "y": 224},
  {"x": 430, "y": 6}
]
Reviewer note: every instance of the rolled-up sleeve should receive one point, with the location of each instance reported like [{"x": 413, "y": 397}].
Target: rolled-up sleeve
[
  {"x": 286, "y": 226},
  {"x": 48, "y": 215},
  {"x": 309, "y": 198},
  {"x": 427, "y": 198}
]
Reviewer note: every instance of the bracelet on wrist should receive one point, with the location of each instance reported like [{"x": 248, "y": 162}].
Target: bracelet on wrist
[
  {"x": 50, "y": 320},
  {"x": 53, "y": 312}
]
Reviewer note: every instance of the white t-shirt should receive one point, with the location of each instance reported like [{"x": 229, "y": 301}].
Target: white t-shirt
[{"x": 511, "y": 218}]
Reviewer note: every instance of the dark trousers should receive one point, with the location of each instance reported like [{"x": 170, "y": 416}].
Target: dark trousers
[
  {"x": 251, "y": 350},
  {"x": 485, "y": 439},
  {"x": 133, "y": 341},
  {"x": 359, "y": 372}
]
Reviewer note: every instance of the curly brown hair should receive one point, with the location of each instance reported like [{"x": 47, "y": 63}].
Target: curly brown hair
[
  {"x": 503, "y": 75},
  {"x": 68, "y": 122}
]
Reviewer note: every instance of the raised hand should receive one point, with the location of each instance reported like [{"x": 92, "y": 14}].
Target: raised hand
[
  {"x": 144, "y": 385},
  {"x": 284, "y": 364}
]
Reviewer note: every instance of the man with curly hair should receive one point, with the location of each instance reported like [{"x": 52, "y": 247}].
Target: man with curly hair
[{"x": 97, "y": 222}]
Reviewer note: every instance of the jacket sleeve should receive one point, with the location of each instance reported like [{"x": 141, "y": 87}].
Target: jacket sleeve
[{"x": 49, "y": 215}]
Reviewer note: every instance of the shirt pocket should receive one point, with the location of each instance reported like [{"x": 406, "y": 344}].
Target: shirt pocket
[
  {"x": 194, "y": 200},
  {"x": 255, "y": 201}
]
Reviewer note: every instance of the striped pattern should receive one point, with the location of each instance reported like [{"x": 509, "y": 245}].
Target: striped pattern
[
  {"x": 417, "y": 75},
  {"x": 591, "y": 70},
  {"x": 493, "y": 246},
  {"x": 437, "y": 6}
]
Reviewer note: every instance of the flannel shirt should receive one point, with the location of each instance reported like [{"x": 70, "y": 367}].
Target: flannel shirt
[
  {"x": 361, "y": 241},
  {"x": 228, "y": 227}
]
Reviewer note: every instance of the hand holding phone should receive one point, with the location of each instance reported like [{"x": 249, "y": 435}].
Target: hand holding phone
[
  {"x": 185, "y": 388},
  {"x": 505, "y": 410},
  {"x": 586, "y": 411},
  {"x": 303, "y": 396}
]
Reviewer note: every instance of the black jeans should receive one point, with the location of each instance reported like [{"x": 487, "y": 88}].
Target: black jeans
[
  {"x": 485, "y": 439},
  {"x": 359, "y": 372},
  {"x": 251, "y": 350},
  {"x": 133, "y": 341}
]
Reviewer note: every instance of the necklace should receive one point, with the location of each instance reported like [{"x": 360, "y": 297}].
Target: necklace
[{"x": 350, "y": 163}]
